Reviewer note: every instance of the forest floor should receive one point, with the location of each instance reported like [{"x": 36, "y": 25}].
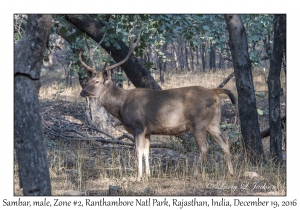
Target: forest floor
[{"x": 84, "y": 161}]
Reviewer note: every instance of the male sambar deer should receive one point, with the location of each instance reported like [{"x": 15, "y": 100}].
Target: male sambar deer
[{"x": 144, "y": 112}]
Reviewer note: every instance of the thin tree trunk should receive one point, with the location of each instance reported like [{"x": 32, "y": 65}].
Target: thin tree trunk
[
  {"x": 197, "y": 56},
  {"x": 203, "y": 56},
  {"x": 28, "y": 132},
  {"x": 212, "y": 58},
  {"x": 175, "y": 56},
  {"x": 244, "y": 83},
  {"x": 187, "y": 57},
  {"x": 152, "y": 56},
  {"x": 267, "y": 44},
  {"x": 165, "y": 67},
  {"x": 172, "y": 58},
  {"x": 161, "y": 64},
  {"x": 161, "y": 71},
  {"x": 228, "y": 63},
  {"x": 192, "y": 56},
  {"x": 274, "y": 87},
  {"x": 145, "y": 57},
  {"x": 181, "y": 57},
  {"x": 221, "y": 61}
]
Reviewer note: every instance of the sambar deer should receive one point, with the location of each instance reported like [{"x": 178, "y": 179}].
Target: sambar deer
[{"x": 144, "y": 112}]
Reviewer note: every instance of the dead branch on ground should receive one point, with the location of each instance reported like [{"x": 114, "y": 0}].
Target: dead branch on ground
[{"x": 67, "y": 127}]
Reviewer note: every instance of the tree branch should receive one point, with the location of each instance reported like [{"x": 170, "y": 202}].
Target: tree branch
[
  {"x": 103, "y": 140},
  {"x": 266, "y": 132},
  {"x": 134, "y": 70},
  {"x": 226, "y": 80},
  {"x": 228, "y": 59}
]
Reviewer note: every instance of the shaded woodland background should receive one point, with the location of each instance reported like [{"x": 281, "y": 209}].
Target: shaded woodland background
[{"x": 86, "y": 150}]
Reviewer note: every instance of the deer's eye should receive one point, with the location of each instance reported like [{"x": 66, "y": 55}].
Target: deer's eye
[{"x": 97, "y": 81}]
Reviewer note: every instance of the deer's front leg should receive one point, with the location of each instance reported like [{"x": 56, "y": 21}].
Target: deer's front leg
[
  {"x": 146, "y": 154},
  {"x": 139, "y": 148}
]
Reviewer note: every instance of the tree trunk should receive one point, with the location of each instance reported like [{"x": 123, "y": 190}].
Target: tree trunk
[
  {"x": 172, "y": 60},
  {"x": 100, "y": 117},
  {"x": 28, "y": 133},
  {"x": 244, "y": 83},
  {"x": 134, "y": 70},
  {"x": 192, "y": 56},
  {"x": 175, "y": 57},
  {"x": 187, "y": 57},
  {"x": 197, "y": 56},
  {"x": 145, "y": 57},
  {"x": 221, "y": 60},
  {"x": 181, "y": 57},
  {"x": 267, "y": 45},
  {"x": 165, "y": 67},
  {"x": 152, "y": 56},
  {"x": 161, "y": 71},
  {"x": 212, "y": 58},
  {"x": 274, "y": 87},
  {"x": 203, "y": 56},
  {"x": 162, "y": 64}
]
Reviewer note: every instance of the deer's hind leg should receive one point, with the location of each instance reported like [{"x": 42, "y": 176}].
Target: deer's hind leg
[
  {"x": 199, "y": 132},
  {"x": 215, "y": 132}
]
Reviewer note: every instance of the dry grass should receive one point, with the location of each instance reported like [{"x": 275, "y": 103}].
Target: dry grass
[{"x": 89, "y": 167}]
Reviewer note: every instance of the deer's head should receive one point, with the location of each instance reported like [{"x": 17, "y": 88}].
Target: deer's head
[{"x": 96, "y": 84}]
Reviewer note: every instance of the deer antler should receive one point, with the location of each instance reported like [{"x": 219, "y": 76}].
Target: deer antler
[
  {"x": 108, "y": 57},
  {"x": 92, "y": 69},
  {"x": 131, "y": 48}
]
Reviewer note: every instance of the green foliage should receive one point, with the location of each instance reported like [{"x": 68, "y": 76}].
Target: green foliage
[
  {"x": 119, "y": 77},
  {"x": 46, "y": 59},
  {"x": 18, "y": 36},
  {"x": 259, "y": 28},
  {"x": 149, "y": 66},
  {"x": 159, "y": 29},
  {"x": 20, "y": 21},
  {"x": 260, "y": 112},
  {"x": 260, "y": 95},
  {"x": 234, "y": 135},
  {"x": 63, "y": 30}
]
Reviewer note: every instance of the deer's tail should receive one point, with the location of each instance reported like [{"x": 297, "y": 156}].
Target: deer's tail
[{"x": 227, "y": 92}]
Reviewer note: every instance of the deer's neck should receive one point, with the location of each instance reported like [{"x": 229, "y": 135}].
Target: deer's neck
[{"x": 113, "y": 99}]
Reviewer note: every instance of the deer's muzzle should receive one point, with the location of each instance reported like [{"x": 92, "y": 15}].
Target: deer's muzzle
[{"x": 83, "y": 93}]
